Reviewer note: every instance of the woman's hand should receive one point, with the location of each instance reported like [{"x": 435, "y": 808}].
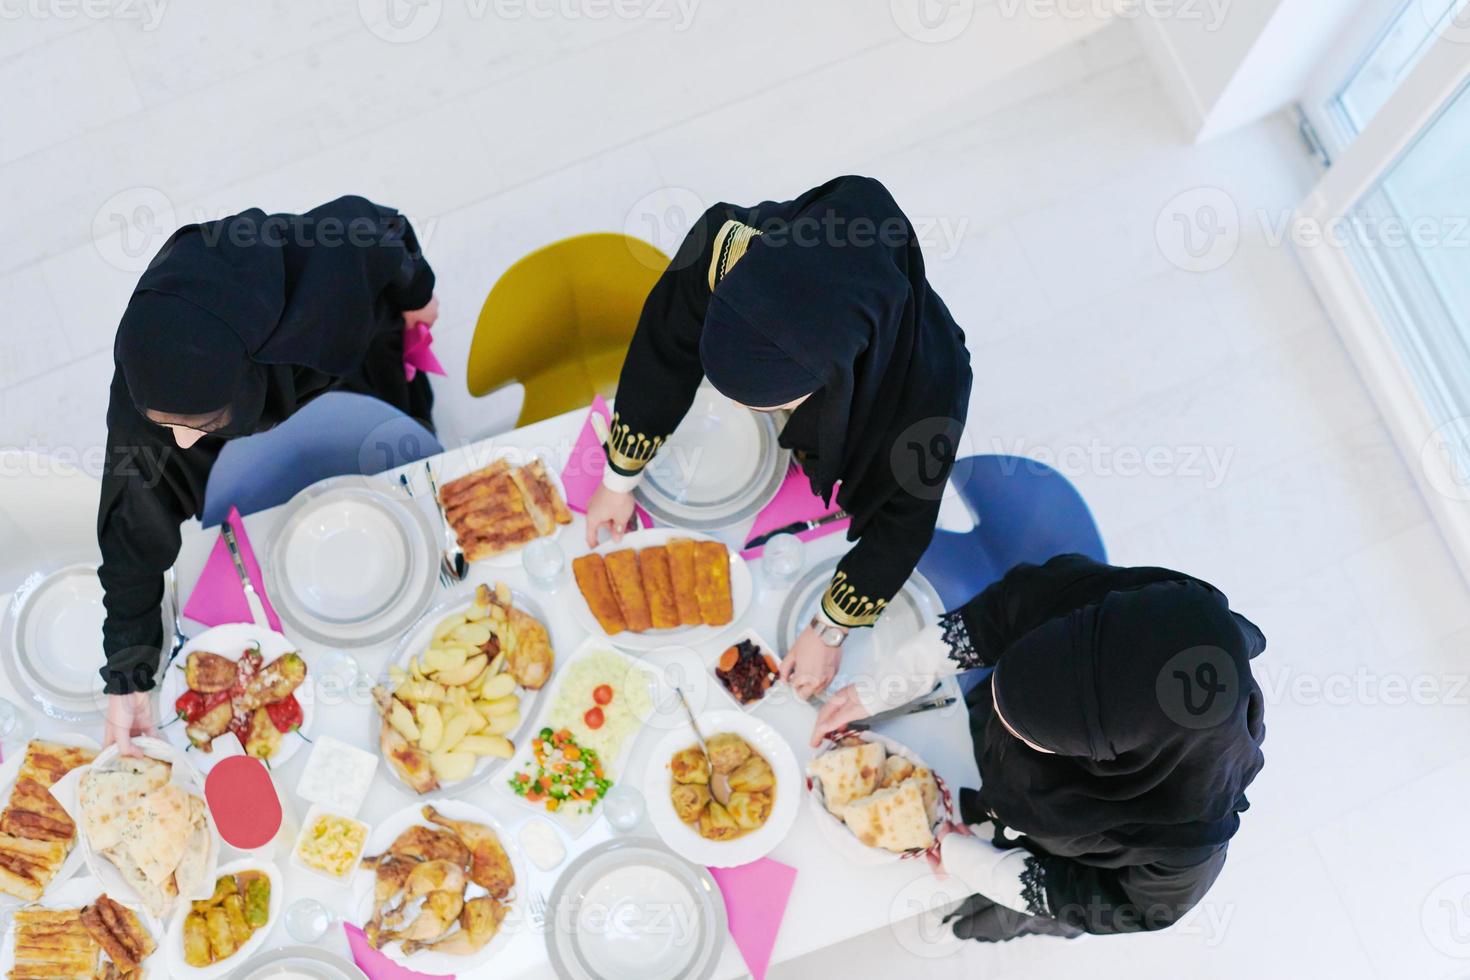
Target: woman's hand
[
  {"x": 610, "y": 509},
  {"x": 840, "y": 710},
  {"x": 811, "y": 664},
  {"x": 426, "y": 316},
  {"x": 128, "y": 715}
]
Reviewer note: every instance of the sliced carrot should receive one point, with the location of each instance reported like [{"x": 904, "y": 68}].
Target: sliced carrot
[{"x": 729, "y": 658}]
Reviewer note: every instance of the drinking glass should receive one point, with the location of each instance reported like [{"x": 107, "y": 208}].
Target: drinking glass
[
  {"x": 15, "y": 728},
  {"x": 308, "y": 920},
  {"x": 783, "y": 559},
  {"x": 623, "y": 805},
  {"x": 544, "y": 561}
]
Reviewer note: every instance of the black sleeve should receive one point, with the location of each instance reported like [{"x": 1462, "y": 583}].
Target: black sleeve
[
  {"x": 149, "y": 488},
  {"x": 413, "y": 286},
  {"x": 1136, "y": 898},
  {"x": 1029, "y": 595},
  {"x": 662, "y": 371},
  {"x": 874, "y": 569}
]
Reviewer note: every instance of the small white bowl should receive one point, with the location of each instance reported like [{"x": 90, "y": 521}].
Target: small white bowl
[
  {"x": 316, "y": 812},
  {"x": 714, "y": 663}
]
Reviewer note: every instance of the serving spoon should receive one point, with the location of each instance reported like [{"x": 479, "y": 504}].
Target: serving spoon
[{"x": 719, "y": 783}]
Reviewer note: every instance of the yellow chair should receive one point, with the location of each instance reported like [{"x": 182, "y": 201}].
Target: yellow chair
[{"x": 559, "y": 321}]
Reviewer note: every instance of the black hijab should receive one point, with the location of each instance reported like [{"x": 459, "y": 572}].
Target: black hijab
[
  {"x": 1148, "y": 701},
  {"x": 228, "y": 308},
  {"x": 832, "y": 296}
]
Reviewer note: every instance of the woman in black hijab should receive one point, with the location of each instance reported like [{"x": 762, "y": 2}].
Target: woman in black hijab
[
  {"x": 235, "y": 325},
  {"x": 1115, "y": 739},
  {"x": 818, "y": 307}
]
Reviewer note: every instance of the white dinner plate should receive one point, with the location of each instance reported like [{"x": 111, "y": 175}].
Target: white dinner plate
[
  {"x": 742, "y": 591},
  {"x": 232, "y": 640},
  {"x": 53, "y": 638},
  {"x": 75, "y": 894},
  {"x": 353, "y": 562},
  {"x": 299, "y": 963},
  {"x": 916, "y": 606},
  {"x": 719, "y": 467},
  {"x": 628, "y": 909},
  {"x": 427, "y": 960},
  {"x": 173, "y": 944},
  {"x": 416, "y": 641},
  {"x": 683, "y": 839}
]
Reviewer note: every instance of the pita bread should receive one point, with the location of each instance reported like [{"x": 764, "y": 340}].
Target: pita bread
[
  {"x": 895, "y": 770},
  {"x": 156, "y": 830},
  {"x": 156, "y": 899},
  {"x": 848, "y": 773},
  {"x": 929, "y": 789},
  {"x": 893, "y": 819},
  {"x": 106, "y": 794},
  {"x": 192, "y": 875}
]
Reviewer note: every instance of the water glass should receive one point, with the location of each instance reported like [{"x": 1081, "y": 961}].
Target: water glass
[
  {"x": 544, "y": 562},
  {"x": 783, "y": 559},
  {"x": 16, "y": 728},
  {"x": 308, "y": 920},
  {"x": 623, "y": 805},
  {"x": 338, "y": 675}
]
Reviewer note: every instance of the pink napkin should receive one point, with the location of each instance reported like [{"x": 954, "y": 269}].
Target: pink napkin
[
  {"x": 418, "y": 352},
  {"x": 755, "y": 902},
  {"x": 217, "y": 597},
  {"x": 794, "y": 502},
  {"x": 583, "y": 472},
  {"x": 375, "y": 964}
]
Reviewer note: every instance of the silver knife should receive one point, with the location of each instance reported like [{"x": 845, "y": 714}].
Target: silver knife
[
  {"x": 864, "y": 724},
  {"x": 252, "y": 598},
  {"x": 796, "y": 527}
]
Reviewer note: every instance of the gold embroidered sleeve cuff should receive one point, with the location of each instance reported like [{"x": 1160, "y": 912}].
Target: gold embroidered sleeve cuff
[{"x": 845, "y": 606}]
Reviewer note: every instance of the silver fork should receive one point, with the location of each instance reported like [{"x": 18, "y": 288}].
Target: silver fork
[
  {"x": 538, "y": 910},
  {"x": 179, "y": 637},
  {"x": 452, "y": 566}
]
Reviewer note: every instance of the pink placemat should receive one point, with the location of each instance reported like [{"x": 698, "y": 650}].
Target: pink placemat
[
  {"x": 583, "y": 473},
  {"x": 217, "y": 597},
  {"x": 755, "y": 903},
  {"x": 794, "y": 502},
  {"x": 375, "y": 964}
]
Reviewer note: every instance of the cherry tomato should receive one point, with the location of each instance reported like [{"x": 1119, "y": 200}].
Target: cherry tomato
[
  {"x": 593, "y": 718},
  {"x": 603, "y": 694}
]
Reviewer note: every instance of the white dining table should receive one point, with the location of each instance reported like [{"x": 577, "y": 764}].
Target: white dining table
[{"x": 832, "y": 900}]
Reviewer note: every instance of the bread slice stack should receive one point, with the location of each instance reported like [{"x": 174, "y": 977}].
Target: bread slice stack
[{"x": 685, "y": 582}]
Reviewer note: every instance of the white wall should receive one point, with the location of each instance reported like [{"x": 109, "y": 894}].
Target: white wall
[{"x": 1226, "y": 63}]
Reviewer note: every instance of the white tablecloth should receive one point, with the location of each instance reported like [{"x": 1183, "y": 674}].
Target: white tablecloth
[{"x": 830, "y": 902}]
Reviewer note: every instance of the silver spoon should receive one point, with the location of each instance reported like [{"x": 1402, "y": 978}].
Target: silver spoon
[{"x": 719, "y": 783}]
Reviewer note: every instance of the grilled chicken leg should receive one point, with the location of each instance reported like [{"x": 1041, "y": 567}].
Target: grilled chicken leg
[
  {"x": 479, "y": 923},
  {"x": 408, "y": 760},
  {"x": 439, "y": 912},
  {"x": 489, "y": 865}
]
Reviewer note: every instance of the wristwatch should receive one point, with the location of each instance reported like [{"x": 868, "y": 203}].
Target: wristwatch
[{"x": 832, "y": 636}]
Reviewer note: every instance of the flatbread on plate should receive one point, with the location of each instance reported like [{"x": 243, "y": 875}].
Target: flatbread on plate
[
  {"x": 849, "y": 773},
  {"x": 156, "y": 831},
  {"x": 893, "y": 819},
  {"x": 106, "y": 794}
]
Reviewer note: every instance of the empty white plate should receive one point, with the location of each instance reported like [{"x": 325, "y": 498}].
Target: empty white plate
[
  {"x": 719, "y": 467},
  {"x": 54, "y": 630},
  {"x": 346, "y": 558},
  {"x": 631, "y": 909}
]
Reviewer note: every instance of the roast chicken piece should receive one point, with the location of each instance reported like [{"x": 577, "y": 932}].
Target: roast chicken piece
[
  {"x": 424, "y": 844},
  {"x": 439, "y": 912},
  {"x": 479, "y": 923},
  {"x": 489, "y": 864},
  {"x": 433, "y": 876},
  {"x": 408, "y": 760}
]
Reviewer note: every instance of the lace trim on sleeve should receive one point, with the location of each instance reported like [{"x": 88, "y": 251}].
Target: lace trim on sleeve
[
  {"x": 1033, "y": 888},
  {"x": 957, "y": 637}
]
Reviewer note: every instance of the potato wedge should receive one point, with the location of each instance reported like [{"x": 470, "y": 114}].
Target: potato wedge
[
  {"x": 464, "y": 673},
  {"x": 500, "y": 724},
  {"x": 500, "y": 706},
  {"x": 471, "y": 634},
  {"x": 438, "y": 659},
  {"x": 402, "y": 719},
  {"x": 452, "y": 765},
  {"x": 497, "y": 687},
  {"x": 431, "y": 727},
  {"x": 491, "y": 745},
  {"x": 456, "y": 728},
  {"x": 422, "y": 691},
  {"x": 448, "y": 625}
]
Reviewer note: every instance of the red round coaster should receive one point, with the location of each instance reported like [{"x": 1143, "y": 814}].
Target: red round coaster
[{"x": 243, "y": 801}]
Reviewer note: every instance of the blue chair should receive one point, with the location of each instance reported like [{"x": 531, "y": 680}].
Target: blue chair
[
  {"x": 337, "y": 434},
  {"x": 1024, "y": 511}
]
